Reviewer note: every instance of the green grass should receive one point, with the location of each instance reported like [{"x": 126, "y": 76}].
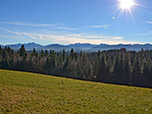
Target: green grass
[{"x": 22, "y": 92}]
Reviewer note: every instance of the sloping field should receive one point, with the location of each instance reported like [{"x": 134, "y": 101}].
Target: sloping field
[{"x": 22, "y": 92}]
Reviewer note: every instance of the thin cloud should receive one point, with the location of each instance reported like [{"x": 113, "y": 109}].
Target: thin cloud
[
  {"x": 71, "y": 38},
  {"x": 150, "y": 32},
  {"x": 149, "y": 22},
  {"x": 144, "y": 34},
  {"x": 67, "y": 39},
  {"x": 66, "y": 28},
  {"x": 97, "y": 26},
  {"x": 13, "y": 32},
  {"x": 28, "y": 24},
  {"x": 117, "y": 38},
  {"x": 54, "y": 26}
]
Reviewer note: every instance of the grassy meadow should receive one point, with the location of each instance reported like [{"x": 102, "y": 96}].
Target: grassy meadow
[{"x": 31, "y": 93}]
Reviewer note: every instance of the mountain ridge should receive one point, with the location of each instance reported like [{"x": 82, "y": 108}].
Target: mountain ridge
[{"x": 80, "y": 46}]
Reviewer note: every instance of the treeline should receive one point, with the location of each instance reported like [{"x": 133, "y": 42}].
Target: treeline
[{"x": 112, "y": 66}]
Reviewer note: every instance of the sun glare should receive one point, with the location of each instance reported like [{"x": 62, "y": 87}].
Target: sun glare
[{"x": 126, "y": 4}]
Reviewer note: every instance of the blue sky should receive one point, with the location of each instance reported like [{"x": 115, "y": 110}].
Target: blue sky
[{"x": 74, "y": 21}]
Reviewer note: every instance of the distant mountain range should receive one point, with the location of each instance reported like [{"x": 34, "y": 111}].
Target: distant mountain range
[{"x": 80, "y": 47}]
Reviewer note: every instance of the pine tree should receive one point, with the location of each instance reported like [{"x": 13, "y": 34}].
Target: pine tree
[
  {"x": 136, "y": 73},
  {"x": 50, "y": 65},
  {"x": 72, "y": 54},
  {"x": 22, "y": 51},
  {"x": 116, "y": 71},
  {"x": 34, "y": 53},
  {"x": 63, "y": 55},
  {"x": 65, "y": 69},
  {"x": 101, "y": 76},
  {"x": 127, "y": 72},
  {"x": 46, "y": 53},
  {"x": 42, "y": 53}
]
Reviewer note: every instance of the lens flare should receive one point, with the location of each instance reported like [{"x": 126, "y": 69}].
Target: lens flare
[{"x": 126, "y": 4}]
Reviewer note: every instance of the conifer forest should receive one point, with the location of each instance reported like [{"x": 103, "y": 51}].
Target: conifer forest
[{"x": 112, "y": 66}]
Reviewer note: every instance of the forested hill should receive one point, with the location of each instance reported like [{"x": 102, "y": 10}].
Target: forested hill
[{"x": 113, "y": 66}]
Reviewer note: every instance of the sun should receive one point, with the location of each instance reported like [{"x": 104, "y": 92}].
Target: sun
[{"x": 126, "y": 4}]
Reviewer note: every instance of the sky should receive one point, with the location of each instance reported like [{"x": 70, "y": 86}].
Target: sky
[{"x": 75, "y": 21}]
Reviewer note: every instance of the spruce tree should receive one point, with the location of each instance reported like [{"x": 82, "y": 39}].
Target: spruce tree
[{"x": 22, "y": 51}]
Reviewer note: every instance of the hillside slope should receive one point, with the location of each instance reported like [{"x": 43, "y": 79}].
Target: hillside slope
[{"x": 22, "y": 92}]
